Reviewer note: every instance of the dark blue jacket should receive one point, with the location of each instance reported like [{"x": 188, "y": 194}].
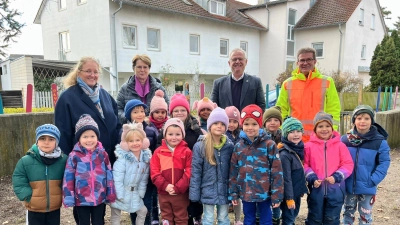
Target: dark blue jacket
[
  {"x": 72, "y": 103},
  {"x": 208, "y": 183},
  {"x": 371, "y": 161}
]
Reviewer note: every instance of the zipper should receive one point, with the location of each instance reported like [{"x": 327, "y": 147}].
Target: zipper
[
  {"x": 47, "y": 192},
  {"x": 326, "y": 171},
  {"x": 91, "y": 178},
  {"x": 355, "y": 170}
]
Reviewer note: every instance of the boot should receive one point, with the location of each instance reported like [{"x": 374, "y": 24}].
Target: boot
[{"x": 276, "y": 221}]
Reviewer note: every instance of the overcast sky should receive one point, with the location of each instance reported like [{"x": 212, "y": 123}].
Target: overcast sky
[{"x": 30, "y": 42}]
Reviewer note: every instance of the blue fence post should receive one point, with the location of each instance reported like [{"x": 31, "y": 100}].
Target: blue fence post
[
  {"x": 390, "y": 99},
  {"x": 1, "y": 105},
  {"x": 379, "y": 99},
  {"x": 277, "y": 92},
  {"x": 267, "y": 96}
]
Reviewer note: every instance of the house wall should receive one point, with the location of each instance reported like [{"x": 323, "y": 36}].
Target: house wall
[
  {"x": 22, "y": 75},
  {"x": 6, "y": 76}
]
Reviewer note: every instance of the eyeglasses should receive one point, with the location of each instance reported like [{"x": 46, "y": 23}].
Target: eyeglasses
[
  {"x": 236, "y": 59},
  {"x": 306, "y": 60},
  {"x": 90, "y": 72},
  {"x": 142, "y": 67},
  {"x": 181, "y": 111}
]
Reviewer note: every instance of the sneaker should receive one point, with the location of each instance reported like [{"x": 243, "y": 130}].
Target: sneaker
[
  {"x": 197, "y": 222},
  {"x": 155, "y": 222},
  {"x": 238, "y": 222},
  {"x": 165, "y": 222}
]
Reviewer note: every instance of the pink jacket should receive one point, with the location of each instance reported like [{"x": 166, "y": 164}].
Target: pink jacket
[{"x": 327, "y": 157}]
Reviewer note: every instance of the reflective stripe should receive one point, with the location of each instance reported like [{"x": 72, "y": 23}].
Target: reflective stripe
[
  {"x": 289, "y": 91},
  {"x": 324, "y": 86}
]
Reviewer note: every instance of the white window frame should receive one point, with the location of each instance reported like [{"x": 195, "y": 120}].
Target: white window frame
[
  {"x": 227, "y": 47},
  {"x": 81, "y": 2},
  {"x": 313, "y": 46},
  {"x": 198, "y": 44},
  {"x": 62, "y": 5},
  {"x": 220, "y": 6},
  {"x": 158, "y": 48},
  {"x": 373, "y": 22},
  {"x": 5, "y": 70},
  {"x": 361, "y": 17},
  {"x": 290, "y": 34},
  {"x": 64, "y": 41},
  {"x": 134, "y": 46},
  {"x": 245, "y": 43},
  {"x": 363, "y": 52}
]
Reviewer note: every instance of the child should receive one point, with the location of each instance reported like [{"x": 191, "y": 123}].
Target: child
[
  {"x": 204, "y": 108},
  {"x": 38, "y": 175},
  {"x": 131, "y": 173},
  {"x": 210, "y": 169},
  {"x": 327, "y": 163},
  {"x": 370, "y": 152},
  {"x": 233, "y": 127},
  {"x": 291, "y": 152},
  {"x": 88, "y": 181},
  {"x": 272, "y": 120},
  {"x": 135, "y": 112},
  {"x": 158, "y": 111},
  {"x": 256, "y": 171},
  {"x": 170, "y": 172}
]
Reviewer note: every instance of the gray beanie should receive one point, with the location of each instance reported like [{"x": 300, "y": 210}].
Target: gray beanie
[{"x": 363, "y": 109}]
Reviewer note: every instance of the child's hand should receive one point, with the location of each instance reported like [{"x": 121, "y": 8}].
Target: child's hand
[
  {"x": 290, "y": 204},
  {"x": 330, "y": 179},
  {"x": 170, "y": 189},
  {"x": 317, "y": 183},
  {"x": 275, "y": 205},
  {"x": 234, "y": 202}
]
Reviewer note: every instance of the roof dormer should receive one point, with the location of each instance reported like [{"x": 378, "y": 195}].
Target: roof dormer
[{"x": 217, "y": 7}]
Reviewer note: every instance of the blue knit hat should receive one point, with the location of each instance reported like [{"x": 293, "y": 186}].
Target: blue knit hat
[
  {"x": 291, "y": 124},
  {"x": 48, "y": 130},
  {"x": 86, "y": 122},
  {"x": 130, "y": 106},
  {"x": 218, "y": 115}
]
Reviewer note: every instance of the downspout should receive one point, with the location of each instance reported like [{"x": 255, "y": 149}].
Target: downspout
[
  {"x": 115, "y": 45},
  {"x": 340, "y": 46},
  {"x": 266, "y": 7}
]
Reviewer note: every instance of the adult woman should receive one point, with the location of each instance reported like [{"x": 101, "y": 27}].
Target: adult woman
[{"x": 140, "y": 86}]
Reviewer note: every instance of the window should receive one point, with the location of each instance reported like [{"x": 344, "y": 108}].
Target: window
[
  {"x": 129, "y": 36},
  {"x": 64, "y": 42},
  {"x": 373, "y": 22},
  {"x": 363, "y": 51},
  {"x": 62, "y": 4},
  {"x": 153, "y": 39},
  {"x": 223, "y": 47},
  {"x": 312, "y": 2},
  {"x": 194, "y": 44},
  {"x": 243, "y": 45},
  {"x": 319, "y": 48},
  {"x": 290, "y": 32},
  {"x": 4, "y": 70},
  {"x": 81, "y": 2},
  {"x": 217, "y": 7},
  {"x": 361, "y": 19}
]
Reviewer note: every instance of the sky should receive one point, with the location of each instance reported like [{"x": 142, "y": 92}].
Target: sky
[{"x": 30, "y": 41}]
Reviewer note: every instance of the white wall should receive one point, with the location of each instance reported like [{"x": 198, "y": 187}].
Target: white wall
[
  {"x": 6, "y": 77},
  {"x": 22, "y": 75}
]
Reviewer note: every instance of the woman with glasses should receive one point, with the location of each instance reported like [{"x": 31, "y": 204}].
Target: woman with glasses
[
  {"x": 141, "y": 86},
  {"x": 84, "y": 95}
]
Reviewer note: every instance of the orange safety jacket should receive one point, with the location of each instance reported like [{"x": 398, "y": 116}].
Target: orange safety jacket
[{"x": 303, "y": 97}]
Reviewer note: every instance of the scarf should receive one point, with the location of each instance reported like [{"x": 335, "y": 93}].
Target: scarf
[
  {"x": 158, "y": 124},
  {"x": 50, "y": 158},
  {"x": 94, "y": 94},
  {"x": 275, "y": 136},
  {"x": 142, "y": 90},
  {"x": 354, "y": 137},
  {"x": 299, "y": 148},
  {"x": 221, "y": 144}
]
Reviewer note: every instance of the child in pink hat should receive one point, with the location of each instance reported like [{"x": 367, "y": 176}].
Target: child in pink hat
[
  {"x": 204, "y": 108},
  {"x": 158, "y": 111}
]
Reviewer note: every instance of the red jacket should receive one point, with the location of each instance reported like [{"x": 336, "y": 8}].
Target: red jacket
[{"x": 168, "y": 167}]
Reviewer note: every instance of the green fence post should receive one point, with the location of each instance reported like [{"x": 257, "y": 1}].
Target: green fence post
[
  {"x": 384, "y": 100},
  {"x": 390, "y": 99}
]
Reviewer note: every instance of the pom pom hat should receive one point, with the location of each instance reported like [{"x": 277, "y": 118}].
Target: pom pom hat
[
  {"x": 204, "y": 103},
  {"x": 290, "y": 124},
  {"x": 158, "y": 102},
  {"x": 48, "y": 130},
  {"x": 130, "y": 106},
  {"x": 174, "y": 121},
  {"x": 133, "y": 126},
  {"x": 85, "y": 123},
  {"x": 251, "y": 111},
  {"x": 218, "y": 115},
  {"x": 178, "y": 100}
]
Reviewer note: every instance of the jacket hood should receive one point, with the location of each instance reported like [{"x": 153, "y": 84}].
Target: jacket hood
[
  {"x": 261, "y": 136},
  {"x": 34, "y": 152},
  {"x": 334, "y": 139},
  {"x": 296, "y": 73},
  {"x": 164, "y": 146},
  {"x": 376, "y": 132},
  {"x": 145, "y": 155}
]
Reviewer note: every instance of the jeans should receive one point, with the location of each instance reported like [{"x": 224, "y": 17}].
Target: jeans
[
  {"x": 91, "y": 214},
  {"x": 365, "y": 204},
  {"x": 249, "y": 211},
  {"x": 222, "y": 214},
  {"x": 276, "y": 213},
  {"x": 289, "y": 215}
]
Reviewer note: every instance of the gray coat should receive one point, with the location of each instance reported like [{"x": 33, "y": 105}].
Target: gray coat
[
  {"x": 128, "y": 92},
  {"x": 208, "y": 183},
  {"x": 252, "y": 92}
]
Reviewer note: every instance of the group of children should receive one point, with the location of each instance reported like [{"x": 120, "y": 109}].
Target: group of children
[{"x": 248, "y": 158}]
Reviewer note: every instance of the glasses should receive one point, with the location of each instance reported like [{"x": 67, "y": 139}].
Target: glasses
[
  {"x": 142, "y": 67},
  {"x": 236, "y": 59},
  {"x": 306, "y": 60},
  {"x": 90, "y": 72},
  {"x": 181, "y": 111}
]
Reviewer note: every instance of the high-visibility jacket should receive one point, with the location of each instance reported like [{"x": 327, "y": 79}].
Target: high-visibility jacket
[{"x": 302, "y": 97}]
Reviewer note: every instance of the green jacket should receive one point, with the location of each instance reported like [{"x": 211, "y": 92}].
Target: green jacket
[{"x": 37, "y": 183}]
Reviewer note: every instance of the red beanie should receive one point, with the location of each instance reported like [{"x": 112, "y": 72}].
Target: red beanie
[
  {"x": 178, "y": 100},
  {"x": 251, "y": 111}
]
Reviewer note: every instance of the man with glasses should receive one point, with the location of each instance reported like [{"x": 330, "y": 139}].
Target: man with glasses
[
  {"x": 238, "y": 89},
  {"x": 308, "y": 92}
]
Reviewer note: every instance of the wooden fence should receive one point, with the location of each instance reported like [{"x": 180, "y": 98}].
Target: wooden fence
[
  {"x": 43, "y": 99},
  {"x": 12, "y": 99}
]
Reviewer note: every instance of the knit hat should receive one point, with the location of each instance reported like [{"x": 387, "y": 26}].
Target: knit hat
[
  {"x": 233, "y": 113},
  {"x": 85, "y": 123},
  {"x": 158, "y": 102},
  {"x": 174, "y": 121},
  {"x": 48, "y": 130},
  {"x": 273, "y": 112},
  {"x": 291, "y": 124},
  {"x": 133, "y": 126},
  {"x": 363, "y": 109},
  {"x": 218, "y": 115},
  {"x": 251, "y": 111},
  {"x": 178, "y": 100},
  {"x": 131, "y": 105},
  {"x": 322, "y": 116},
  {"x": 204, "y": 103}
]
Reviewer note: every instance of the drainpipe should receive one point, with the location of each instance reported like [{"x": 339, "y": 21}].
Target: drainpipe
[
  {"x": 266, "y": 7},
  {"x": 115, "y": 45},
  {"x": 340, "y": 46}
]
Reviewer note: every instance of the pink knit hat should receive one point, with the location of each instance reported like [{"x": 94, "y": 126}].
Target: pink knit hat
[
  {"x": 233, "y": 113},
  {"x": 204, "y": 103},
  {"x": 158, "y": 102},
  {"x": 133, "y": 126},
  {"x": 178, "y": 100},
  {"x": 174, "y": 121}
]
